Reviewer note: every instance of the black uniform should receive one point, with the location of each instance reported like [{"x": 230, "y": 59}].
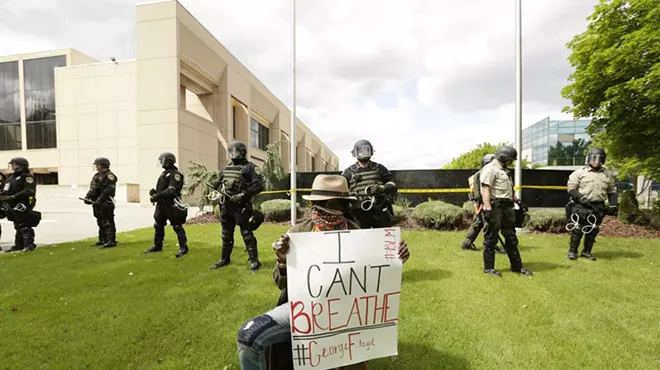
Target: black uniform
[
  {"x": 371, "y": 183},
  {"x": 3, "y": 180},
  {"x": 240, "y": 181},
  {"x": 101, "y": 193},
  {"x": 19, "y": 199},
  {"x": 167, "y": 197}
]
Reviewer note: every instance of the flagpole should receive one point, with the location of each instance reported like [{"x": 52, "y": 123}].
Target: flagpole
[
  {"x": 518, "y": 136},
  {"x": 292, "y": 136}
]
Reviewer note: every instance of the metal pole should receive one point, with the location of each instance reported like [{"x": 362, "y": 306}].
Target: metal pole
[
  {"x": 518, "y": 171},
  {"x": 292, "y": 136}
]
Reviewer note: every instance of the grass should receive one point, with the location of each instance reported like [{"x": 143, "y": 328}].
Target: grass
[{"x": 79, "y": 308}]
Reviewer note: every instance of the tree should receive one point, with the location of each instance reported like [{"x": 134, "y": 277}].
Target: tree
[
  {"x": 272, "y": 168},
  {"x": 616, "y": 82},
  {"x": 569, "y": 155},
  {"x": 472, "y": 159},
  {"x": 198, "y": 176}
]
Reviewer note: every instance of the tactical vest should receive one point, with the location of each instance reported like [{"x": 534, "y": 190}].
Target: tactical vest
[
  {"x": 475, "y": 187},
  {"x": 233, "y": 178},
  {"x": 360, "y": 181}
]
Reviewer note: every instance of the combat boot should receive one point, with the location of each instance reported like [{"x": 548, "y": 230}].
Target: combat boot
[
  {"x": 493, "y": 272},
  {"x": 102, "y": 236},
  {"x": 154, "y": 248},
  {"x": 183, "y": 240},
  {"x": 523, "y": 271},
  {"x": 253, "y": 253},
  {"x": 489, "y": 260},
  {"x": 468, "y": 245},
  {"x": 183, "y": 250},
  {"x": 227, "y": 247},
  {"x": 586, "y": 252},
  {"x": 574, "y": 245},
  {"x": 28, "y": 239}
]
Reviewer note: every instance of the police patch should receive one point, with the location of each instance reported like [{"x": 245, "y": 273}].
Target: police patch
[
  {"x": 177, "y": 177},
  {"x": 257, "y": 170},
  {"x": 29, "y": 180},
  {"x": 111, "y": 177}
]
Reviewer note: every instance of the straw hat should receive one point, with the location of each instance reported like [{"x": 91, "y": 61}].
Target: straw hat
[{"x": 329, "y": 187}]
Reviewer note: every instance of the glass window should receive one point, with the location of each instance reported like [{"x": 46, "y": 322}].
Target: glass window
[
  {"x": 40, "y": 113},
  {"x": 552, "y": 139},
  {"x": 566, "y": 130},
  {"x": 10, "y": 107},
  {"x": 259, "y": 134},
  {"x": 313, "y": 164}
]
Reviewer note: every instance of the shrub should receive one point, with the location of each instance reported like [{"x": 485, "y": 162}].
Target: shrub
[
  {"x": 551, "y": 220},
  {"x": 400, "y": 213},
  {"x": 468, "y": 207},
  {"x": 439, "y": 215},
  {"x": 629, "y": 212},
  {"x": 402, "y": 202},
  {"x": 278, "y": 210}
]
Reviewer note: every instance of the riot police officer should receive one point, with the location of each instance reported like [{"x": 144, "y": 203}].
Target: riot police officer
[
  {"x": 3, "y": 180},
  {"x": 19, "y": 198},
  {"x": 373, "y": 185},
  {"x": 498, "y": 211},
  {"x": 239, "y": 181},
  {"x": 588, "y": 188},
  {"x": 475, "y": 196},
  {"x": 167, "y": 197},
  {"x": 101, "y": 196}
]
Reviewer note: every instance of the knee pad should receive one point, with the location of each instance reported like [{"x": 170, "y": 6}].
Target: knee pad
[{"x": 250, "y": 333}]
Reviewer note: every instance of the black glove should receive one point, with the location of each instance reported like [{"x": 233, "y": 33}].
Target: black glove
[
  {"x": 98, "y": 202},
  {"x": 522, "y": 206},
  {"x": 584, "y": 201},
  {"x": 487, "y": 214},
  {"x": 375, "y": 189},
  {"x": 613, "y": 210},
  {"x": 152, "y": 192},
  {"x": 153, "y": 199}
]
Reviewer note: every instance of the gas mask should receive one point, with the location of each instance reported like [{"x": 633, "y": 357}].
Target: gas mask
[{"x": 363, "y": 153}]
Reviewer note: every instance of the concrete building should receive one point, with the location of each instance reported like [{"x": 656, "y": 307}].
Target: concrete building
[
  {"x": 184, "y": 93},
  {"x": 558, "y": 144}
]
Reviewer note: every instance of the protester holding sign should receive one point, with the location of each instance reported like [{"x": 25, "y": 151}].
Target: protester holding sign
[{"x": 271, "y": 332}]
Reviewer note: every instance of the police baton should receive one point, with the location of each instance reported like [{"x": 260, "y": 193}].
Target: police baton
[{"x": 86, "y": 200}]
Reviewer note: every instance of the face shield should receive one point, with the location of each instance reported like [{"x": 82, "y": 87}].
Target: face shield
[
  {"x": 161, "y": 162},
  {"x": 14, "y": 167},
  {"x": 233, "y": 153},
  {"x": 363, "y": 151},
  {"x": 595, "y": 160}
]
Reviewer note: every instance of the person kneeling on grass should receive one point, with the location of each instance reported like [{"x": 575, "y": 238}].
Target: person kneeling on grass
[{"x": 264, "y": 342}]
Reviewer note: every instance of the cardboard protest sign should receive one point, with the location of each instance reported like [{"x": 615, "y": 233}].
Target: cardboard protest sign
[{"x": 344, "y": 288}]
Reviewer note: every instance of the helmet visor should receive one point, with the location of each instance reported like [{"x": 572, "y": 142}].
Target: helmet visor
[
  {"x": 363, "y": 151},
  {"x": 161, "y": 161},
  {"x": 233, "y": 153},
  {"x": 595, "y": 160}
]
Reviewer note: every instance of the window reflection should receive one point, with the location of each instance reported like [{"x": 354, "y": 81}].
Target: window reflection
[
  {"x": 40, "y": 101},
  {"x": 10, "y": 107}
]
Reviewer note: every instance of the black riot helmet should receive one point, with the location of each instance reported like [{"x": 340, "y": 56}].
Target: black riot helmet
[
  {"x": 102, "y": 162},
  {"x": 166, "y": 160},
  {"x": 363, "y": 150},
  {"x": 506, "y": 155},
  {"x": 237, "y": 151},
  {"x": 19, "y": 164},
  {"x": 596, "y": 157},
  {"x": 487, "y": 159}
]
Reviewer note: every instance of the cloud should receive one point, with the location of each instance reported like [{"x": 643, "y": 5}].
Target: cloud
[{"x": 424, "y": 81}]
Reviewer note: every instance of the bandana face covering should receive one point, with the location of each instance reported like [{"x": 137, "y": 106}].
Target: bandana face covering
[{"x": 328, "y": 219}]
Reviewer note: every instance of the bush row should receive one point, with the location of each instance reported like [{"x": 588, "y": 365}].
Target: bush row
[{"x": 436, "y": 215}]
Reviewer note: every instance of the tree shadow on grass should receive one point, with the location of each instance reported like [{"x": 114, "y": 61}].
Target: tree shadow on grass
[
  {"x": 413, "y": 276},
  {"x": 414, "y": 356},
  {"x": 612, "y": 255},
  {"x": 544, "y": 266}
]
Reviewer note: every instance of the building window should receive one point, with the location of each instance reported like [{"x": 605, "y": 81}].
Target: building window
[
  {"x": 10, "y": 107},
  {"x": 233, "y": 117},
  {"x": 40, "y": 101},
  {"x": 313, "y": 164},
  {"x": 259, "y": 134}
]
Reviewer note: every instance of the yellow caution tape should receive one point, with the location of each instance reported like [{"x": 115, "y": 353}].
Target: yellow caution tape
[{"x": 430, "y": 191}]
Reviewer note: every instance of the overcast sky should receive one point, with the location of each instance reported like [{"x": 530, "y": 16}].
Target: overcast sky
[{"x": 423, "y": 82}]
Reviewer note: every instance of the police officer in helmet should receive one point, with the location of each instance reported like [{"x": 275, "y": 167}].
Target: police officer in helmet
[
  {"x": 475, "y": 197},
  {"x": 18, "y": 200},
  {"x": 167, "y": 196},
  {"x": 100, "y": 196},
  {"x": 239, "y": 181},
  {"x": 3, "y": 214},
  {"x": 373, "y": 185},
  {"x": 589, "y": 187},
  {"x": 498, "y": 211}
]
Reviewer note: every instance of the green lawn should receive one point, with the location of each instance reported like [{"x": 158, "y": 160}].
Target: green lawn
[{"x": 79, "y": 308}]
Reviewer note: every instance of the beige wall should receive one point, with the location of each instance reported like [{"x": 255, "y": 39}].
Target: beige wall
[{"x": 96, "y": 118}]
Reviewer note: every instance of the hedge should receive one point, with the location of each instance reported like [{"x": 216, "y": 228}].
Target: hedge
[
  {"x": 439, "y": 215},
  {"x": 278, "y": 210},
  {"x": 400, "y": 213},
  {"x": 552, "y": 220},
  {"x": 468, "y": 207},
  {"x": 629, "y": 212}
]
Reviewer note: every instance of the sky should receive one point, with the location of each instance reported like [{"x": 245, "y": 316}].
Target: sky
[{"x": 424, "y": 82}]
